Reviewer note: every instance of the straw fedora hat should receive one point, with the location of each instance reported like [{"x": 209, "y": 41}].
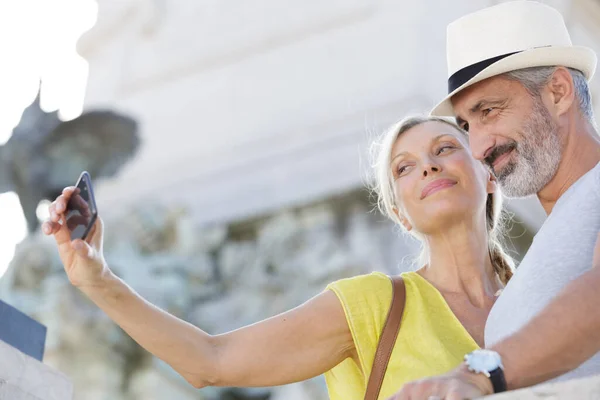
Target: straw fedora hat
[{"x": 504, "y": 38}]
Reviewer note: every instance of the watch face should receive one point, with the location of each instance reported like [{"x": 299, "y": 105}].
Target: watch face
[{"x": 484, "y": 360}]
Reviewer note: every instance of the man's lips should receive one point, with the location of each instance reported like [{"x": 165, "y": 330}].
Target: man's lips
[
  {"x": 499, "y": 155},
  {"x": 501, "y": 160},
  {"x": 436, "y": 185}
]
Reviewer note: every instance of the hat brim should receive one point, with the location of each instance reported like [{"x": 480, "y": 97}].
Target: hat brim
[{"x": 577, "y": 57}]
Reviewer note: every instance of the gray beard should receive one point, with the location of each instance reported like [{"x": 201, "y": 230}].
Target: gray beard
[{"x": 536, "y": 157}]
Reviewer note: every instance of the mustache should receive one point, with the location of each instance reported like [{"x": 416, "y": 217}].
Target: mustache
[{"x": 498, "y": 151}]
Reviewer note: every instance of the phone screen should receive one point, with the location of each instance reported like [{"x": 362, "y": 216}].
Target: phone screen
[{"x": 81, "y": 209}]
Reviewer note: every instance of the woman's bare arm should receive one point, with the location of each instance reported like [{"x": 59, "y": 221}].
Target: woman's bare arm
[
  {"x": 296, "y": 345},
  {"x": 293, "y": 346}
]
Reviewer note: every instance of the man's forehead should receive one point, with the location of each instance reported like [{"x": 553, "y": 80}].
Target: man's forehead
[{"x": 465, "y": 100}]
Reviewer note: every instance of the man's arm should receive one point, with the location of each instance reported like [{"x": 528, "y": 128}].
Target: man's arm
[{"x": 560, "y": 338}]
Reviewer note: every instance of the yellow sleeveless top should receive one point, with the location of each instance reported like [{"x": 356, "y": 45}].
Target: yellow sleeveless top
[{"x": 431, "y": 339}]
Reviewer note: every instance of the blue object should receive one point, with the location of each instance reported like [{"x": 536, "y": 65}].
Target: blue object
[{"x": 22, "y": 332}]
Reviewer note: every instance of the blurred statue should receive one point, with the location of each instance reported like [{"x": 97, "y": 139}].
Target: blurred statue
[{"x": 44, "y": 154}]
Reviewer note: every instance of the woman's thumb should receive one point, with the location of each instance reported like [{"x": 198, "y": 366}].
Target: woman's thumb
[{"x": 83, "y": 249}]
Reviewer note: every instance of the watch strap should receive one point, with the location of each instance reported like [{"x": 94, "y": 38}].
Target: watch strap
[{"x": 498, "y": 380}]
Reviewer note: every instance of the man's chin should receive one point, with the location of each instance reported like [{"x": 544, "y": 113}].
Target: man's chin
[
  {"x": 515, "y": 183},
  {"x": 514, "y": 188}
]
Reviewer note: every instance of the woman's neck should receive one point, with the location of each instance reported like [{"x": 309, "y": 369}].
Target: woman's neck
[{"x": 460, "y": 263}]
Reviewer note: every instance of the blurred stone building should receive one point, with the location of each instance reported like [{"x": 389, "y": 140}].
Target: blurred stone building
[
  {"x": 248, "y": 107},
  {"x": 247, "y": 195}
]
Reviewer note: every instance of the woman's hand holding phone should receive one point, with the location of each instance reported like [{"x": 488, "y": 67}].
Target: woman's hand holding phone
[{"x": 83, "y": 259}]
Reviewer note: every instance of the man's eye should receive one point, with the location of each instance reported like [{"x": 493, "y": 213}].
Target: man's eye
[{"x": 487, "y": 111}]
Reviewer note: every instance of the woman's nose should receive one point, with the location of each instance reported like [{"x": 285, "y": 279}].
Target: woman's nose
[{"x": 431, "y": 168}]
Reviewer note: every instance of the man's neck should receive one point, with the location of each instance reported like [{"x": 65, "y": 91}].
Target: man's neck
[{"x": 581, "y": 153}]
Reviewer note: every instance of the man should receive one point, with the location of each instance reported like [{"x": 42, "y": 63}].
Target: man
[{"x": 520, "y": 89}]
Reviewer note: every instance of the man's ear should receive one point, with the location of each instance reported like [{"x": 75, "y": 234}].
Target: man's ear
[
  {"x": 403, "y": 220},
  {"x": 561, "y": 89}
]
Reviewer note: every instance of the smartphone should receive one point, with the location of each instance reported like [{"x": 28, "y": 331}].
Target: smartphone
[{"x": 81, "y": 211}]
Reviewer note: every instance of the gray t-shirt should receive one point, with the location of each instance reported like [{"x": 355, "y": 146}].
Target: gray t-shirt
[{"x": 561, "y": 251}]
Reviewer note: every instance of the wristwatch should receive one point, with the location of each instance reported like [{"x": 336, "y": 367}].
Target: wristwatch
[{"x": 489, "y": 363}]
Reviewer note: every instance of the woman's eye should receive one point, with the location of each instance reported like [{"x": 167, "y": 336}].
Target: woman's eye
[
  {"x": 444, "y": 148},
  {"x": 487, "y": 111},
  {"x": 402, "y": 169}
]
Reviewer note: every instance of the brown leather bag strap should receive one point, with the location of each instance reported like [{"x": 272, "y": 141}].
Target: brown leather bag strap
[{"x": 387, "y": 340}]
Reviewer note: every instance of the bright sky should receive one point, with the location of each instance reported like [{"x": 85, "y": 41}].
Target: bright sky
[{"x": 37, "y": 41}]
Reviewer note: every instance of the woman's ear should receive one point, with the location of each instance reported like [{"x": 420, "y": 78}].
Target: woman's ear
[
  {"x": 403, "y": 220},
  {"x": 492, "y": 183}
]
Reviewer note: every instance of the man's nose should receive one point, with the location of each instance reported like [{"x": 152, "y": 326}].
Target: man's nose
[{"x": 481, "y": 144}]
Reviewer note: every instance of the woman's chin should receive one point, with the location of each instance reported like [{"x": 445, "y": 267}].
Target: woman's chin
[
  {"x": 448, "y": 205},
  {"x": 443, "y": 211}
]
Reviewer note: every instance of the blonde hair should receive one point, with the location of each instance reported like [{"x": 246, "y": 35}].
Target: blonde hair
[{"x": 383, "y": 187}]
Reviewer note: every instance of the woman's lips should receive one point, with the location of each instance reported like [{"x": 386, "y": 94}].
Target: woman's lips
[{"x": 436, "y": 185}]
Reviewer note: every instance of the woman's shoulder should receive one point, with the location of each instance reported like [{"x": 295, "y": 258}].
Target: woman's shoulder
[
  {"x": 366, "y": 301},
  {"x": 367, "y": 284},
  {"x": 362, "y": 282},
  {"x": 374, "y": 284},
  {"x": 359, "y": 294},
  {"x": 377, "y": 281}
]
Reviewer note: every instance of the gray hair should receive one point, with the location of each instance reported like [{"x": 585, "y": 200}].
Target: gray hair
[{"x": 535, "y": 78}]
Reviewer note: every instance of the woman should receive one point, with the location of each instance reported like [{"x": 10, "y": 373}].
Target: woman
[{"x": 427, "y": 182}]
